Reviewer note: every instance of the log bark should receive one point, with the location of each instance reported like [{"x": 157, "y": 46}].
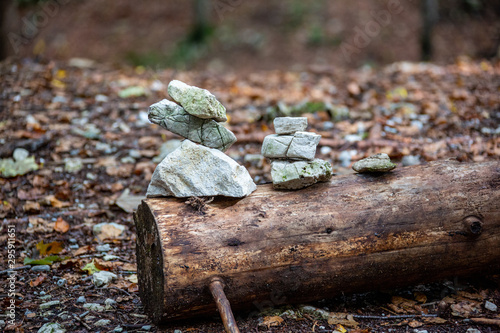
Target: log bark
[{"x": 355, "y": 233}]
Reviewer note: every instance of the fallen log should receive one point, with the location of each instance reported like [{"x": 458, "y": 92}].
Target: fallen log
[{"x": 355, "y": 233}]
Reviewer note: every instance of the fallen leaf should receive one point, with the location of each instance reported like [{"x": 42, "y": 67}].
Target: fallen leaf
[
  {"x": 61, "y": 225},
  {"x": 420, "y": 297},
  {"x": 340, "y": 328},
  {"x": 271, "y": 321},
  {"x": 132, "y": 278},
  {"x": 129, "y": 202},
  {"x": 415, "y": 323},
  {"x": 91, "y": 268},
  {"x": 434, "y": 320},
  {"x": 50, "y": 248},
  {"x": 45, "y": 261},
  {"x": 82, "y": 250},
  {"x": 51, "y": 200},
  {"x": 345, "y": 319},
  {"x": 133, "y": 288},
  {"x": 31, "y": 207},
  {"x": 37, "y": 281}
]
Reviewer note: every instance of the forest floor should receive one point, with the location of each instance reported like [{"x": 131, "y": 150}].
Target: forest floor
[{"x": 91, "y": 153}]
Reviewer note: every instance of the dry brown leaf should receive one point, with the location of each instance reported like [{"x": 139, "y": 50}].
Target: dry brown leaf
[
  {"x": 345, "y": 319},
  {"x": 434, "y": 320},
  {"x": 51, "y": 200},
  {"x": 50, "y": 248},
  {"x": 133, "y": 288},
  {"x": 129, "y": 267},
  {"x": 31, "y": 207},
  {"x": 415, "y": 323},
  {"x": 61, "y": 225},
  {"x": 272, "y": 321},
  {"x": 83, "y": 250},
  {"x": 37, "y": 281},
  {"x": 420, "y": 297}
]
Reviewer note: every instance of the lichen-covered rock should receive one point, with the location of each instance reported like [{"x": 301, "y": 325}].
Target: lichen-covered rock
[
  {"x": 289, "y": 125},
  {"x": 376, "y": 163},
  {"x": 196, "y": 101},
  {"x": 195, "y": 170},
  {"x": 288, "y": 175},
  {"x": 207, "y": 132},
  {"x": 302, "y": 145}
]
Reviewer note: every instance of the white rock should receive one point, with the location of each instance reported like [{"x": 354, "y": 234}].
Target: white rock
[
  {"x": 473, "y": 330},
  {"x": 296, "y": 175},
  {"x": 102, "y": 322},
  {"x": 196, "y": 170},
  {"x": 375, "y": 163},
  {"x": 490, "y": 306},
  {"x": 303, "y": 145},
  {"x": 276, "y": 146},
  {"x": 20, "y": 154},
  {"x": 51, "y": 328},
  {"x": 103, "y": 278},
  {"x": 289, "y": 125},
  {"x": 93, "y": 307}
]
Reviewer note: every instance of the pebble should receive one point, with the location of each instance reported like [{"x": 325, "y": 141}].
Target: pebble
[
  {"x": 410, "y": 160},
  {"x": 102, "y": 322},
  {"x": 61, "y": 282},
  {"x": 51, "y": 328},
  {"x": 345, "y": 157},
  {"x": 40, "y": 268},
  {"x": 490, "y": 306},
  {"x": 146, "y": 327},
  {"x": 93, "y": 307},
  {"x": 473, "y": 330},
  {"x": 2, "y": 323},
  {"x": 118, "y": 329},
  {"x": 42, "y": 293},
  {"x": 81, "y": 299},
  {"x": 109, "y": 303},
  {"x": 47, "y": 305},
  {"x": 103, "y": 278},
  {"x": 325, "y": 150},
  {"x": 103, "y": 248},
  {"x": 374, "y": 163},
  {"x": 177, "y": 331},
  {"x": 20, "y": 154},
  {"x": 72, "y": 240}
]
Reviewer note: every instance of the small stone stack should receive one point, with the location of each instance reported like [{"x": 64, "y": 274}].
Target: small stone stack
[
  {"x": 198, "y": 167},
  {"x": 292, "y": 153}
]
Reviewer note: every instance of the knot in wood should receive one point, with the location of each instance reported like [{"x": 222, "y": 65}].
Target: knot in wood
[{"x": 473, "y": 226}]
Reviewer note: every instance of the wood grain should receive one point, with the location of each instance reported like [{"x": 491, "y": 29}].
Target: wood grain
[{"x": 355, "y": 233}]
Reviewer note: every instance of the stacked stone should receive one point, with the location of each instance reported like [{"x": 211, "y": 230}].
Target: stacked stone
[
  {"x": 198, "y": 167},
  {"x": 292, "y": 152}
]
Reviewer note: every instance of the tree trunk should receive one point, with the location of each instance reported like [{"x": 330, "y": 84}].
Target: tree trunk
[
  {"x": 356, "y": 233},
  {"x": 430, "y": 16}
]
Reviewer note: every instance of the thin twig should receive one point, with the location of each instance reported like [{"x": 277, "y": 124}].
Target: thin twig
[
  {"x": 394, "y": 316},
  {"x": 82, "y": 322}
]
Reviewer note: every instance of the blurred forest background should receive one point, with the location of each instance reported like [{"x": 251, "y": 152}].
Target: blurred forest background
[{"x": 246, "y": 36}]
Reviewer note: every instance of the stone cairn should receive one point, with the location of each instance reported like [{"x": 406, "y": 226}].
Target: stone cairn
[
  {"x": 292, "y": 152},
  {"x": 199, "y": 166}
]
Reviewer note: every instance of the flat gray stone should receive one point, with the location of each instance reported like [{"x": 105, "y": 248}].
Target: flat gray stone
[
  {"x": 303, "y": 145},
  {"x": 47, "y": 305},
  {"x": 289, "y": 125},
  {"x": 207, "y": 132},
  {"x": 195, "y": 170},
  {"x": 196, "y": 101},
  {"x": 376, "y": 163},
  {"x": 276, "y": 146},
  {"x": 288, "y": 175},
  {"x": 490, "y": 306}
]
